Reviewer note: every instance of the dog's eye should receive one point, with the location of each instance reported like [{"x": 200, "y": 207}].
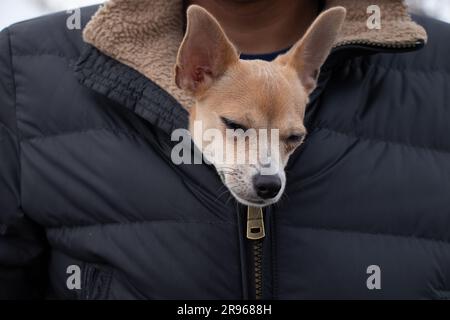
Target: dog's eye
[
  {"x": 295, "y": 138},
  {"x": 230, "y": 124}
]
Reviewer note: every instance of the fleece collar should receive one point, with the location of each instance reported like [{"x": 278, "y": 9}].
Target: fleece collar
[{"x": 146, "y": 34}]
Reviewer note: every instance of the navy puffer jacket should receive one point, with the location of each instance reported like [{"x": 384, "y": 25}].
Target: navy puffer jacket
[{"x": 87, "y": 186}]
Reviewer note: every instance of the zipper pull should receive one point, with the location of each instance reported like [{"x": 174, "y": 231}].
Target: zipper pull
[{"x": 255, "y": 224}]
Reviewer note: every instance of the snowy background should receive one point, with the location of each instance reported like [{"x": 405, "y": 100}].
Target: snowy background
[{"x": 17, "y": 10}]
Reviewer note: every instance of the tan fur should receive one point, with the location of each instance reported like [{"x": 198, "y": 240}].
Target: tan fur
[
  {"x": 397, "y": 29},
  {"x": 278, "y": 99},
  {"x": 143, "y": 34},
  {"x": 257, "y": 95},
  {"x": 146, "y": 34}
]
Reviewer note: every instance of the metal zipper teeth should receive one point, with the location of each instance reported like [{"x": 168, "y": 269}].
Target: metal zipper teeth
[
  {"x": 256, "y": 233},
  {"x": 257, "y": 260},
  {"x": 398, "y": 45}
]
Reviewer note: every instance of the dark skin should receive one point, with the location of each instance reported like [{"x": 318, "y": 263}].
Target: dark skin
[{"x": 262, "y": 26}]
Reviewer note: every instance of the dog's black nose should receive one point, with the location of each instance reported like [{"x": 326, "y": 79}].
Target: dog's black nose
[{"x": 267, "y": 186}]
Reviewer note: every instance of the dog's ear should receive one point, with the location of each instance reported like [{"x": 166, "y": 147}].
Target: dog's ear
[
  {"x": 309, "y": 54},
  {"x": 205, "y": 53}
]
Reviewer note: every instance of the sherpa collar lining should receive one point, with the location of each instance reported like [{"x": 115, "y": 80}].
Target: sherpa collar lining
[{"x": 146, "y": 34}]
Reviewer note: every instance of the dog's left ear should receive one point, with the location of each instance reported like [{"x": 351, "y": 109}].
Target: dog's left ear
[
  {"x": 309, "y": 54},
  {"x": 205, "y": 53}
]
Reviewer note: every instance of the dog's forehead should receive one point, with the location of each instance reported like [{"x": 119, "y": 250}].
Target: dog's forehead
[
  {"x": 272, "y": 89},
  {"x": 272, "y": 80},
  {"x": 268, "y": 94}
]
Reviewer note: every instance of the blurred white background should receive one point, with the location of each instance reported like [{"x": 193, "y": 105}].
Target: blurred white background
[{"x": 12, "y": 11}]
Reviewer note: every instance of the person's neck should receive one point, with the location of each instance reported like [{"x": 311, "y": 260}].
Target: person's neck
[{"x": 262, "y": 26}]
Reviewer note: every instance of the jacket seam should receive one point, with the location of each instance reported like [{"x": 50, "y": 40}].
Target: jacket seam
[
  {"x": 397, "y": 69},
  {"x": 18, "y": 135},
  {"x": 379, "y": 234},
  {"x": 8, "y": 130},
  {"x": 46, "y": 54},
  {"x": 379, "y": 140},
  {"x": 121, "y": 223},
  {"x": 84, "y": 131}
]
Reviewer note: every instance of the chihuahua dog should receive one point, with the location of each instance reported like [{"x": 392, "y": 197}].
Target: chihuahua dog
[{"x": 234, "y": 94}]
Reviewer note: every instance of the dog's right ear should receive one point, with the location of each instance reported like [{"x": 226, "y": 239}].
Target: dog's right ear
[
  {"x": 205, "y": 53},
  {"x": 309, "y": 53}
]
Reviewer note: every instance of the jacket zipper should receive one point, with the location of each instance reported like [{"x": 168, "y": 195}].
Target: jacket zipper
[{"x": 256, "y": 234}]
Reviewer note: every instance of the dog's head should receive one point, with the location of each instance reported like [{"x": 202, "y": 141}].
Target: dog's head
[{"x": 258, "y": 107}]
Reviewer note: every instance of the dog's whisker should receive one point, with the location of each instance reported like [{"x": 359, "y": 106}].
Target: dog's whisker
[
  {"x": 221, "y": 188},
  {"x": 230, "y": 168},
  {"x": 227, "y": 189},
  {"x": 229, "y": 199},
  {"x": 284, "y": 198},
  {"x": 227, "y": 171}
]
